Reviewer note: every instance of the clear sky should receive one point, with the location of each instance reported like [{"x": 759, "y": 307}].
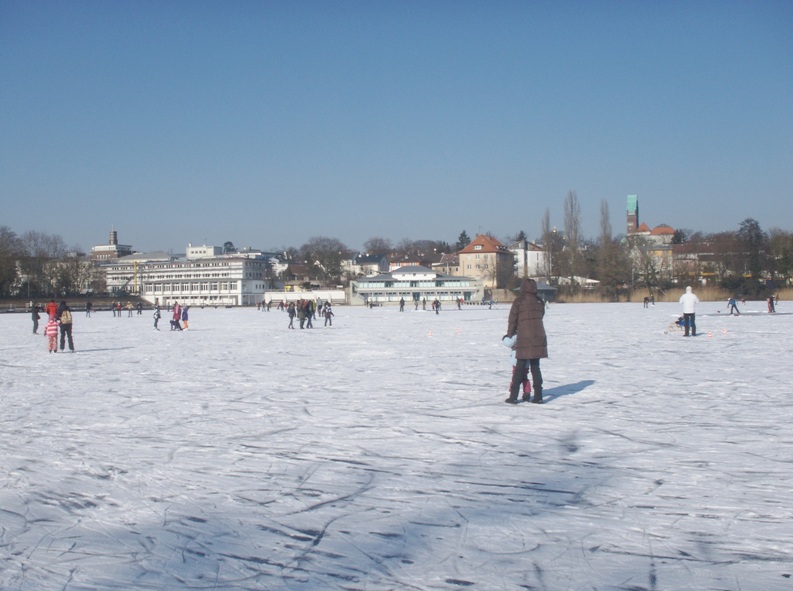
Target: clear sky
[{"x": 268, "y": 123}]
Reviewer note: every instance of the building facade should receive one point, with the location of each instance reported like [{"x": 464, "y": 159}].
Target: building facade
[
  {"x": 413, "y": 284},
  {"x": 208, "y": 280},
  {"x": 487, "y": 260}
]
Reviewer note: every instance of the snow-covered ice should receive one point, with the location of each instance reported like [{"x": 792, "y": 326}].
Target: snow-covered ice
[{"x": 379, "y": 454}]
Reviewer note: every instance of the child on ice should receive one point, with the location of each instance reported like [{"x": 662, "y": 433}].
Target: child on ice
[
  {"x": 510, "y": 342},
  {"x": 51, "y": 332}
]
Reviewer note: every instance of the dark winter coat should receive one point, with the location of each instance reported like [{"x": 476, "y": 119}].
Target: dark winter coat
[{"x": 525, "y": 321}]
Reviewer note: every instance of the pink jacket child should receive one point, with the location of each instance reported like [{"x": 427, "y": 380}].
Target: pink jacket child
[{"x": 51, "y": 332}]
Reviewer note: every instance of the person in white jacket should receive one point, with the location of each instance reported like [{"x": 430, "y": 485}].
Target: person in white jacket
[{"x": 689, "y": 301}]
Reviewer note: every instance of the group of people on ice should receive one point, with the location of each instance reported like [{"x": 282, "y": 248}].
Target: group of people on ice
[
  {"x": 306, "y": 311},
  {"x": 59, "y": 321}
]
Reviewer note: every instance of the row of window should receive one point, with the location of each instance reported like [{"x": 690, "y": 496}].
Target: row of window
[
  {"x": 413, "y": 284},
  {"x": 189, "y": 287}
]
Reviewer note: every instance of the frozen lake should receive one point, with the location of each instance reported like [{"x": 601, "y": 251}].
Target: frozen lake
[{"x": 378, "y": 454}]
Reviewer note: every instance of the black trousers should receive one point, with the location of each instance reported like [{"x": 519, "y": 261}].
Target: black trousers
[
  {"x": 689, "y": 321},
  {"x": 66, "y": 334},
  {"x": 520, "y": 371}
]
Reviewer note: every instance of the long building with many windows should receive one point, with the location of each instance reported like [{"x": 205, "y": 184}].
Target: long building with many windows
[{"x": 206, "y": 278}]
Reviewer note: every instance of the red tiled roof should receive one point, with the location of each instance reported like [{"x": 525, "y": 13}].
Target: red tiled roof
[
  {"x": 487, "y": 244},
  {"x": 663, "y": 229}
]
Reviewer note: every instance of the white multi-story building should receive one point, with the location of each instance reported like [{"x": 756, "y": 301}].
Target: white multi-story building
[
  {"x": 208, "y": 279},
  {"x": 529, "y": 259}
]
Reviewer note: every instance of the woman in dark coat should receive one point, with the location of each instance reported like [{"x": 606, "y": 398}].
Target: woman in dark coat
[{"x": 525, "y": 321}]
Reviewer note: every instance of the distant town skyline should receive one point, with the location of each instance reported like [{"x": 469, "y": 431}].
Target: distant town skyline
[{"x": 271, "y": 123}]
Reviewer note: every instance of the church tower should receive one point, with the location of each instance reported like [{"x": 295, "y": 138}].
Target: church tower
[{"x": 633, "y": 214}]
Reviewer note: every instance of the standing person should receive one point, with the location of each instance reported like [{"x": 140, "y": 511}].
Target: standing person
[
  {"x": 328, "y": 313},
  {"x": 88, "y": 307},
  {"x": 733, "y": 307},
  {"x": 689, "y": 301},
  {"x": 401, "y": 304},
  {"x": 140, "y": 308},
  {"x": 52, "y": 309},
  {"x": 184, "y": 317},
  {"x": 176, "y": 316},
  {"x": 34, "y": 314},
  {"x": 51, "y": 333},
  {"x": 290, "y": 310},
  {"x": 65, "y": 319},
  {"x": 301, "y": 313},
  {"x": 531, "y": 344},
  {"x": 771, "y": 308},
  {"x": 156, "y": 316}
]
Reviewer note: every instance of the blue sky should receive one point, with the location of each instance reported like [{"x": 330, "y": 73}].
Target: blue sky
[{"x": 268, "y": 123}]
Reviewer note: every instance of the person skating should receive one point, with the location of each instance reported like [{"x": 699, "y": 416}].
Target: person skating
[
  {"x": 51, "y": 334},
  {"x": 290, "y": 310},
  {"x": 34, "y": 314},
  {"x": 176, "y": 316},
  {"x": 526, "y": 322},
  {"x": 65, "y": 321},
  {"x": 690, "y": 301}
]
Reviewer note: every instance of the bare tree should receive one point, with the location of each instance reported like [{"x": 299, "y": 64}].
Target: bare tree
[
  {"x": 551, "y": 246},
  {"x": 572, "y": 233},
  {"x": 10, "y": 250},
  {"x": 780, "y": 251},
  {"x": 39, "y": 250},
  {"x": 377, "y": 245},
  {"x": 754, "y": 243},
  {"x": 324, "y": 255},
  {"x": 610, "y": 263}
]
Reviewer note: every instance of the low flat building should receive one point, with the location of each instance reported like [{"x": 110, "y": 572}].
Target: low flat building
[{"x": 413, "y": 283}]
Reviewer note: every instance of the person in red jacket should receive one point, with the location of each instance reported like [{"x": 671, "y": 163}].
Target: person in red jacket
[{"x": 52, "y": 309}]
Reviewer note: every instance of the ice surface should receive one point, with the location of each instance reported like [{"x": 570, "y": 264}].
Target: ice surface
[{"x": 379, "y": 454}]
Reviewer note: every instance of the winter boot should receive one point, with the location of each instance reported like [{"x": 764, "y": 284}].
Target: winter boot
[{"x": 537, "y": 395}]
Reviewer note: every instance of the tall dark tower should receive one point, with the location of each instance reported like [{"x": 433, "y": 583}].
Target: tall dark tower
[
  {"x": 113, "y": 237},
  {"x": 633, "y": 213}
]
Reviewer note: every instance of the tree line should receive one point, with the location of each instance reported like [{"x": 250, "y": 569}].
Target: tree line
[{"x": 748, "y": 261}]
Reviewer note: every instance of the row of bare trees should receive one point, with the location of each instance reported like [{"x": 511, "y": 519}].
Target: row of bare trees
[
  {"x": 748, "y": 261},
  {"x": 36, "y": 264}
]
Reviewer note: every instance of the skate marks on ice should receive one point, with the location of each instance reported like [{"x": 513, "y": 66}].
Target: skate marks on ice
[{"x": 299, "y": 462}]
